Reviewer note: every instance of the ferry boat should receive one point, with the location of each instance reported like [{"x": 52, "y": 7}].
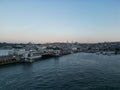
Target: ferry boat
[{"x": 31, "y": 56}]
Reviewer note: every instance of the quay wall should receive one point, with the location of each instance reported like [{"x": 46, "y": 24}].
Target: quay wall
[{"x": 9, "y": 59}]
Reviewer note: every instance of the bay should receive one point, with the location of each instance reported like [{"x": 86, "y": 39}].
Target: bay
[{"x": 80, "y": 71}]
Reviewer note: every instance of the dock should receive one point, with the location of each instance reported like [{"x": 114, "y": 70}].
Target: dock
[{"x": 9, "y": 59}]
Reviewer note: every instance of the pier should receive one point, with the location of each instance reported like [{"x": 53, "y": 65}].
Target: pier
[{"x": 9, "y": 59}]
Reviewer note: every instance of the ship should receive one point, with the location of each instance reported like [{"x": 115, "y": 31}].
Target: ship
[{"x": 32, "y": 56}]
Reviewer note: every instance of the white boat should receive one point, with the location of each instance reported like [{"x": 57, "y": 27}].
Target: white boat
[{"x": 31, "y": 56}]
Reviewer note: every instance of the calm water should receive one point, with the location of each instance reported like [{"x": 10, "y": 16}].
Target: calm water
[{"x": 79, "y": 71}]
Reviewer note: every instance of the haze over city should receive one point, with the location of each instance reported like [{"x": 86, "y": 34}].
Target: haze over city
[{"x": 41, "y": 21}]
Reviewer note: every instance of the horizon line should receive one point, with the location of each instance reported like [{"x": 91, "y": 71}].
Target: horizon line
[{"x": 60, "y": 42}]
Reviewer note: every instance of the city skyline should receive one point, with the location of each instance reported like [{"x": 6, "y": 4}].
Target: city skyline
[{"x": 42, "y": 21}]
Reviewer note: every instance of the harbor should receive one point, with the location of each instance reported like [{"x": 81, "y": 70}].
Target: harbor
[
  {"x": 31, "y": 54},
  {"x": 30, "y": 57},
  {"x": 20, "y": 53}
]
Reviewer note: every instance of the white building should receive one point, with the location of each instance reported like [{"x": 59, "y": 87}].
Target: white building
[{"x": 6, "y": 52}]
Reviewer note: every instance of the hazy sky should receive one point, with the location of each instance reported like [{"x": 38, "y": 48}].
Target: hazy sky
[{"x": 59, "y": 20}]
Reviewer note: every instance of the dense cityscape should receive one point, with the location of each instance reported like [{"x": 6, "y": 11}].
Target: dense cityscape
[{"x": 19, "y": 52}]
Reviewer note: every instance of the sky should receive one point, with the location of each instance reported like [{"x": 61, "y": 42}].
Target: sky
[{"x": 41, "y": 21}]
